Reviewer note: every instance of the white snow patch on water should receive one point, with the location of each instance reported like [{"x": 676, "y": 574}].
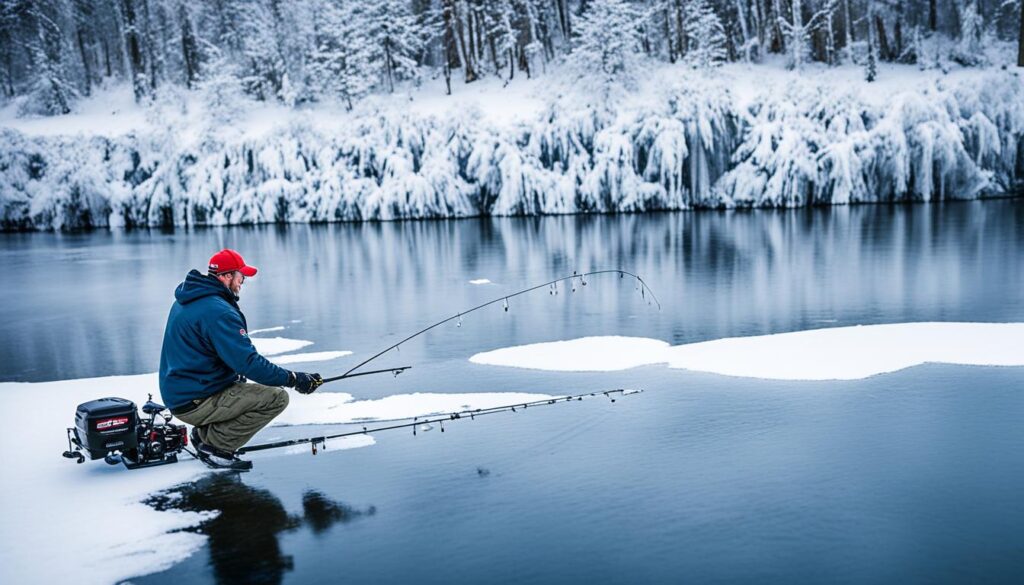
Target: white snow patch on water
[
  {"x": 588, "y": 354},
  {"x": 267, "y": 330},
  {"x": 480, "y": 281},
  {"x": 276, "y": 345},
  {"x": 312, "y": 356},
  {"x": 839, "y": 353},
  {"x": 92, "y": 514}
]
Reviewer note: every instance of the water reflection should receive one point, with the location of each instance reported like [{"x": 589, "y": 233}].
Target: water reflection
[
  {"x": 98, "y": 301},
  {"x": 243, "y": 538}
]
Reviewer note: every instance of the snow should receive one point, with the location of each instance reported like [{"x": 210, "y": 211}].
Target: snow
[
  {"x": 596, "y": 354},
  {"x": 94, "y": 525},
  {"x": 838, "y": 353},
  {"x": 737, "y": 136},
  {"x": 338, "y": 407},
  {"x": 275, "y": 345},
  {"x": 266, "y": 330},
  {"x": 480, "y": 281},
  {"x": 312, "y": 356}
]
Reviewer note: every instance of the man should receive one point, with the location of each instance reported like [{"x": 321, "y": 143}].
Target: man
[{"x": 207, "y": 357}]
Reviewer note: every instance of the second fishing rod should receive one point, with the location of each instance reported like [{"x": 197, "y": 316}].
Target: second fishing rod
[{"x": 575, "y": 279}]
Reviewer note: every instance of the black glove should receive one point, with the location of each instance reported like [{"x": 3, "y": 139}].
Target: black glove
[{"x": 304, "y": 383}]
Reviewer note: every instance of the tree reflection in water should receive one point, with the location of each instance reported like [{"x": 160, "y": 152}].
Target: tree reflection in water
[{"x": 243, "y": 537}]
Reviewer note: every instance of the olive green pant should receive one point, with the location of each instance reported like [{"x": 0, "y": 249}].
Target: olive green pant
[{"x": 229, "y": 418}]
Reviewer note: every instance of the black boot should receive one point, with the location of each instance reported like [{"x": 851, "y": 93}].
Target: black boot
[{"x": 217, "y": 458}]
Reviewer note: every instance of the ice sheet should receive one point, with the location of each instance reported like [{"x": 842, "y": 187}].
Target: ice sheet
[{"x": 838, "y": 353}]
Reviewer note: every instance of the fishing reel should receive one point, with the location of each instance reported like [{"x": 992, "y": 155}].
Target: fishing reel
[{"x": 111, "y": 429}]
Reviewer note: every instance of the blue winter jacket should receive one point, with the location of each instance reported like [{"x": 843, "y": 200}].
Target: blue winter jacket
[{"x": 206, "y": 346}]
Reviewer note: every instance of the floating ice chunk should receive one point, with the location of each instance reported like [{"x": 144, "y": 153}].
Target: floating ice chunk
[
  {"x": 267, "y": 330},
  {"x": 593, "y": 354},
  {"x": 312, "y": 356},
  {"x": 839, "y": 353},
  {"x": 276, "y": 345}
]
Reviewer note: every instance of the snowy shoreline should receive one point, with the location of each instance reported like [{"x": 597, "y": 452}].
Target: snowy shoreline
[
  {"x": 747, "y": 136},
  {"x": 95, "y": 514}
]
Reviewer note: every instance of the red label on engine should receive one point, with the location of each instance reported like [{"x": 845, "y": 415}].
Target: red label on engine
[{"x": 108, "y": 423}]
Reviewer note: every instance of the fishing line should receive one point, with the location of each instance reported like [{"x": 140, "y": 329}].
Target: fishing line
[{"x": 639, "y": 284}]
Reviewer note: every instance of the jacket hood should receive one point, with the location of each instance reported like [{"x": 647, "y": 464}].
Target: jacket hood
[{"x": 197, "y": 286}]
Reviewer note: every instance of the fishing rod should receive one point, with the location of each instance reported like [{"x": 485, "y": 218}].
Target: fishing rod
[
  {"x": 552, "y": 286},
  {"x": 437, "y": 418},
  {"x": 394, "y": 371}
]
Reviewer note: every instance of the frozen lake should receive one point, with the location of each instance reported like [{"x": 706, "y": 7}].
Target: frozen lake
[{"x": 913, "y": 475}]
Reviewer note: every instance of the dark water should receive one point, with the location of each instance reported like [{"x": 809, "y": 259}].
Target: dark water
[{"x": 912, "y": 476}]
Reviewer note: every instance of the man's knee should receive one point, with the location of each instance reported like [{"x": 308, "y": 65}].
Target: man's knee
[{"x": 280, "y": 401}]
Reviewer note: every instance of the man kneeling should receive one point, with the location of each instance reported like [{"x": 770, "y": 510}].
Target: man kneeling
[{"x": 206, "y": 358}]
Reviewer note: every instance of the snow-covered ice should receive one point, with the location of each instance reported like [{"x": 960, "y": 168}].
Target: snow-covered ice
[
  {"x": 838, "y": 353},
  {"x": 311, "y": 356},
  {"x": 596, "y": 354},
  {"x": 266, "y": 330},
  {"x": 275, "y": 345},
  {"x": 88, "y": 521}
]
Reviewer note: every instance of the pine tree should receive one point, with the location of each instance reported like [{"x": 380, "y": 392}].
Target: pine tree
[
  {"x": 798, "y": 36},
  {"x": 705, "y": 34},
  {"x": 871, "y": 63},
  {"x": 396, "y": 39},
  {"x": 52, "y": 91},
  {"x": 341, "y": 63},
  {"x": 608, "y": 41},
  {"x": 501, "y": 36}
]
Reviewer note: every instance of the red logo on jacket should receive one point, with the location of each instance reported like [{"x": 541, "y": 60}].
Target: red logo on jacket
[{"x": 242, "y": 332}]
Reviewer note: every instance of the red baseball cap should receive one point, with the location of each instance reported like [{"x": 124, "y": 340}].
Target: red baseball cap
[{"x": 228, "y": 260}]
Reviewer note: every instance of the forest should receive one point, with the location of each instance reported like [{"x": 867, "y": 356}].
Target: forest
[
  {"x": 303, "y": 51},
  {"x": 136, "y": 113}
]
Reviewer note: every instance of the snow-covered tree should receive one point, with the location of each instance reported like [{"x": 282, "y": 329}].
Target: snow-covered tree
[
  {"x": 705, "y": 34},
  {"x": 607, "y": 41},
  {"x": 221, "y": 89},
  {"x": 52, "y": 91},
  {"x": 798, "y": 36},
  {"x": 501, "y": 35},
  {"x": 969, "y": 49},
  {"x": 871, "y": 61},
  {"x": 340, "y": 65},
  {"x": 395, "y": 40}
]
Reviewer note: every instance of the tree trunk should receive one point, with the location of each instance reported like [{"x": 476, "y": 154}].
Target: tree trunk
[
  {"x": 135, "y": 60},
  {"x": 883, "y": 43},
  {"x": 780, "y": 39},
  {"x": 897, "y": 33},
  {"x": 563, "y": 19},
  {"x": 189, "y": 48},
  {"x": 106, "y": 58},
  {"x": 933, "y": 23},
  {"x": 148, "y": 44},
  {"x": 451, "y": 50},
  {"x": 847, "y": 23},
  {"x": 87, "y": 90},
  {"x": 668, "y": 39},
  {"x": 680, "y": 34},
  {"x": 467, "y": 58},
  {"x": 388, "y": 66},
  {"x": 1020, "y": 40},
  {"x": 741, "y": 14}
]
